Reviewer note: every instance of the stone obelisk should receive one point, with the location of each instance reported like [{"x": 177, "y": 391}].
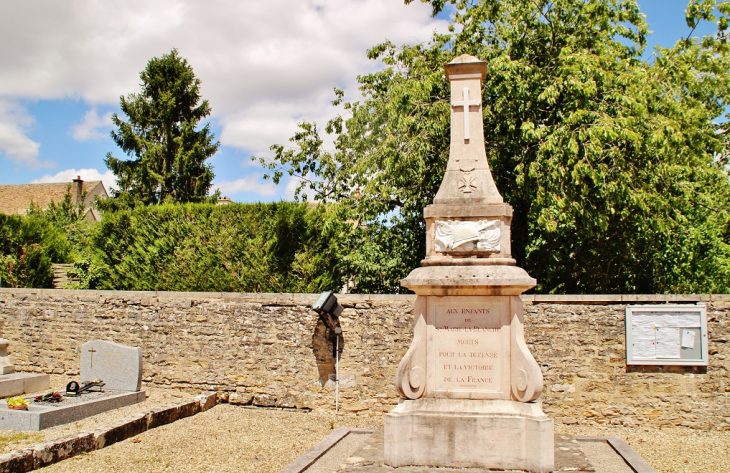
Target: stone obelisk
[{"x": 469, "y": 383}]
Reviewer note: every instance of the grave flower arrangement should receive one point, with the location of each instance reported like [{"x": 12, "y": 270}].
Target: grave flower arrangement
[
  {"x": 50, "y": 397},
  {"x": 18, "y": 403}
]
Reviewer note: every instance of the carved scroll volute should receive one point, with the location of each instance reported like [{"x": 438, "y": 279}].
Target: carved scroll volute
[
  {"x": 525, "y": 372},
  {"x": 410, "y": 378}
]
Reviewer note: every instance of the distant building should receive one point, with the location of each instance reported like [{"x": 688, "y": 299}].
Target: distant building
[
  {"x": 16, "y": 198},
  {"x": 224, "y": 201}
]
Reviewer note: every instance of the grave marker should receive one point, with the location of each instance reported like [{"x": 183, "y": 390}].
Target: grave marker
[{"x": 119, "y": 366}]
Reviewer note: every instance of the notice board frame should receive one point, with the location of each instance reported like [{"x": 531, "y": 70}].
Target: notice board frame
[{"x": 687, "y": 357}]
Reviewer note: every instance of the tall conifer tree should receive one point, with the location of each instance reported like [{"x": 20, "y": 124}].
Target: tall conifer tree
[{"x": 167, "y": 153}]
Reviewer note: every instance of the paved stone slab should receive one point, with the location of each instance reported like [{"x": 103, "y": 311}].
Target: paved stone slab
[
  {"x": 574, "y": 454},
  {"x": 119, "y": 366},
  {"x": 39, "y": 417}
]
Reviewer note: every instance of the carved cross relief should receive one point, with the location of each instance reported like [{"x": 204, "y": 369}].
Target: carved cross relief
[
  {"x": 467, "y": 184},
  {"x": 466, "y": 104}
]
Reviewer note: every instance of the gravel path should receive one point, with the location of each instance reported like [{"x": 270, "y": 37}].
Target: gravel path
[{"x": 233, "y": 438}]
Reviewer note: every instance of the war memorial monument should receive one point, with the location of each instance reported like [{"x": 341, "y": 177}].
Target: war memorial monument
[{"x": 470, "y": 383}]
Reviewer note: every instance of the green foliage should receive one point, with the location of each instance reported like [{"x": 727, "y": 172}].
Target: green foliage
[
  {"x": 616, "y": 166},
  {"x": 69, "y": 219},
  {"x": 61, "y": 214},
  {"x": 281, "y": 247},
  {"x": 28, "y": 245},
  {"x": 168, "y": 153}
]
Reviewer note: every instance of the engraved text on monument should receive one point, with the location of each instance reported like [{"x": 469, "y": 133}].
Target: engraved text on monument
[{"x": 468, "y": 348}]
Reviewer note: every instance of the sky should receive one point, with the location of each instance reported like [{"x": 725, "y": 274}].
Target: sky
[{"x": 264, "y": 66}]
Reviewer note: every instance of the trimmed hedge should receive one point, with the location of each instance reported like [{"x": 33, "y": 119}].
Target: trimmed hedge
[{"x": 280, "y": 247}]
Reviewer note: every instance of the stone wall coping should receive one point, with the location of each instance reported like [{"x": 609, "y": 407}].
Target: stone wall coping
[{"x": 308, "y": 299}]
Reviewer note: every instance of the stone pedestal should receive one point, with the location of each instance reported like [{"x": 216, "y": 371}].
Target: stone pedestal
[
  {"x": 465, "y": 433},
  {"x": 469, "y": 383},
  {"x": 22, "y": 383}
]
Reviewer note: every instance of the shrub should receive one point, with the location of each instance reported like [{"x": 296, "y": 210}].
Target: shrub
[{"x": 28, "y": 245}]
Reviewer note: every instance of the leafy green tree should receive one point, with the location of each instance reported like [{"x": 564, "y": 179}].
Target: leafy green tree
[
  {"x": 167, "y": 153},
  {"x": 616, "y": 166}
]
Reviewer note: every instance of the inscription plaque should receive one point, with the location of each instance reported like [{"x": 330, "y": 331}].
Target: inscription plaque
[{"x": 468, "y": 347}]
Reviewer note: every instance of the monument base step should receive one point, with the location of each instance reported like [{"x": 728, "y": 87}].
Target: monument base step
[
  {"x": 22, "y": 383},
  {"x": 468, "y": 433}
]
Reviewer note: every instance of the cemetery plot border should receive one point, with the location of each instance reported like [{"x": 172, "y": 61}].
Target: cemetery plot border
[{"x": 55, "y": 451}]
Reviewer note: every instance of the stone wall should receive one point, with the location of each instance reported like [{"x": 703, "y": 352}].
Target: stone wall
[{"x": 273, "y": 350}]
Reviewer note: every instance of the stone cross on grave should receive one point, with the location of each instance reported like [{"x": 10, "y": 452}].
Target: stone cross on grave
[
  {"x": 91, "y": 361},
  {"x": 465, "y": 104}
]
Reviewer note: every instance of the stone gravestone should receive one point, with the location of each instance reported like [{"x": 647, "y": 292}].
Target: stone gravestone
[
  {"x": 119, "y": 366},
  {"x": 471, "y": 385}
]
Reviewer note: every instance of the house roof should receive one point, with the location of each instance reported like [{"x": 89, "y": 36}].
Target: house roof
[{"x": 16, "y": 198}]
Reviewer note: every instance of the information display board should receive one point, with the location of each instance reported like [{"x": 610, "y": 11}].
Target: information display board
[{"x": 666, "y": 335}]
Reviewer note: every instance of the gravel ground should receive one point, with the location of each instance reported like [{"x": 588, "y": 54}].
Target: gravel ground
[
  {"x": 12, "y": 440},
  {"x": 235, "y": 438},
  {"x": 675, "y": 449},
  {"x": 224, "y": 439}
]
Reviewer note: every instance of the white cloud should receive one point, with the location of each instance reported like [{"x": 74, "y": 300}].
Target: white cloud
[
  {"x": 86, "y": 174},
  {"x": 270, "y": 63},
  {"x": 264, "y": 66},
  {"x": 249, "y": 184},
  {"x": 14, "y": 143},
  {"x": 93, "y": 127}
]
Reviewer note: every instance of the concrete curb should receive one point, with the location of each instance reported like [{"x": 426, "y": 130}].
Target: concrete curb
[
  {"x": 632, "y": 459},
  {"x": 306, "y": 459},
  {"x": 45, "y": 454}
]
